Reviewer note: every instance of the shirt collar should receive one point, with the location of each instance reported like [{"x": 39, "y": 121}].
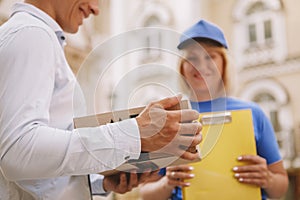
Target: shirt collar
[{"x": 41, "y": 15}]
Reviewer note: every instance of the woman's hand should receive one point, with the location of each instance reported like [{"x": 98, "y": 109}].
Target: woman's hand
[
  {"x": 177, "y": 175},
  {"x": 255, "y": 173},
  {"x": 272, "y": 178},
  {"x": 162, "y": 189}
]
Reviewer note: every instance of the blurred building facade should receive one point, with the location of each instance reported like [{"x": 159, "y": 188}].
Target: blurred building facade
[{"x": 263, "y": 41}]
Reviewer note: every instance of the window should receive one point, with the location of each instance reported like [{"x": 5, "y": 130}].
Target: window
[
  {"x": 260, "y": 25},
  {"x": 152, "y": 15},
  {"x": 269, "y": 104},
  {"x": 260, "y": 36},
  {"x": 265, "y": 35},
  {"x": 252, "y": 33},
  {"x": 268, "y": 30},
  {"x": 153, "y": 39}
]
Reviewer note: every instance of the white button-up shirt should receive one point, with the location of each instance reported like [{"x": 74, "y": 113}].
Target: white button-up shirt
[{"x": 42, "y": 156}]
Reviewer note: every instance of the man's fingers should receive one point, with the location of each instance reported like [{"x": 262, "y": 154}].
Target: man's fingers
[
  {"x": 189, "y": 136},
  {"x": 133, "y": 179},
  {"x": 123, "y": 180},
  {"x": 145, "y": 175},
  {"x": 190, "y": 128},
  {"x": 188, "y": 115},
  {"x": 168, "y": 102},
  {"x": 123, "y": 186},
  {"x": 185, "y": 115},
  {"x": 186, "y": 154},
  {"x": 189, "y": 156},
  {"x": 188, "y": 141}
]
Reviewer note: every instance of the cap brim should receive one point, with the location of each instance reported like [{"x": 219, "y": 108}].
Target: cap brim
[{"x": 185, "y": 43}]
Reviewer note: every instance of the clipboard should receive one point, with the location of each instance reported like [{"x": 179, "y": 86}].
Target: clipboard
[{"x": 226, "y": 135}]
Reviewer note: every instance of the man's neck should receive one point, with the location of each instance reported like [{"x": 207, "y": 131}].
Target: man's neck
[{"x": 44, "y": 6}]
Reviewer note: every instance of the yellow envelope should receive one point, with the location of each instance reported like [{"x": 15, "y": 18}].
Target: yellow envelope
[{"x": 226, "y": 135}]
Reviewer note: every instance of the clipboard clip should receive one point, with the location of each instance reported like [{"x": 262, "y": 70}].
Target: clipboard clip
[{"x": 216, "y": 118}]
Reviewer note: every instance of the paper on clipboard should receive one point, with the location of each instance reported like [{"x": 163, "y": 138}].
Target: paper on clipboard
[{"x": 226, "y": 135}]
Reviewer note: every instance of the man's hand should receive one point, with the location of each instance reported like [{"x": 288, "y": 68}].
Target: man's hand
[
  {"x": 169, "y": 131},
  {"x": 124, "y": 182}
]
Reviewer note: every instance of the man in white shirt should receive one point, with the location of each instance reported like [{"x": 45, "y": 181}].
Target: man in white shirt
[{"x": 42, "y": 155}]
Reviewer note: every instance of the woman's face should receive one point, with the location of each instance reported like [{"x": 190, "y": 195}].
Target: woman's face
[{"x": 203, "y": 69}]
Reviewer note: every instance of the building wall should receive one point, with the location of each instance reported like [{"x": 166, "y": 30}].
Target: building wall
[
  {"x": 293, "y": 30},
  {"x": 118, "y": 17}
]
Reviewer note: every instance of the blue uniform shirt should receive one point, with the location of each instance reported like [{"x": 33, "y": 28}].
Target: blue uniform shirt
[{"x": 266, "y": 143}]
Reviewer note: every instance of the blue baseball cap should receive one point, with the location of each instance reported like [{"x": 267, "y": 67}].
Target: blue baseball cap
[{"x": 203, "y": 29}]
